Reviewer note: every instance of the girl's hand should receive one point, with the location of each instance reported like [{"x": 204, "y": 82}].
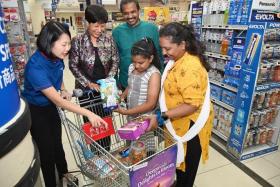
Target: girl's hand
[
  {"x": 97, "y": 121},
  {"x": 122, "y": 96},
  {"x": 121, "y": 110},
  {"x": 153, "y": 123},
  {"x": 94, "y": 86},
  {"x": 65, "y": 95}
]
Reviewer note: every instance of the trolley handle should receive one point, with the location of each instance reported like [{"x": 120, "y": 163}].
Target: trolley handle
[{"x": 79, "y": 92}]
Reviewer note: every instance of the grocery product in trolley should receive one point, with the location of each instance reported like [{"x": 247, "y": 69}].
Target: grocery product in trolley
[
  {"x": 97, "y": 165},
  {"x": 109, "y": 93},
  {"x": 252, "y": 47},
  {"x": 138, "y": 151},
  {"x": 97, "y": 133},
  {"x": 123, "y": 155},
  {"x": 134, "y": 129}
]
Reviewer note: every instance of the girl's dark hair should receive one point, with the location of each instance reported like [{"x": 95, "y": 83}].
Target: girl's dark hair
[
  {"x": 96, "y": 13},
  {"x": 49, "y": 34},
  {"x": 146, "y": 48},
  {"x": 179, "y": 33},
  {"x": 124, "y": 2}
]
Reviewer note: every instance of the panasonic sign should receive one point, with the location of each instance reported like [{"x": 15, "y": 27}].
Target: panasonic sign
[{"x": 271, "y": 5}]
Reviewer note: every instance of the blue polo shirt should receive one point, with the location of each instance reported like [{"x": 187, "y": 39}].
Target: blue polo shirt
[{"x": 41, "y": 73}]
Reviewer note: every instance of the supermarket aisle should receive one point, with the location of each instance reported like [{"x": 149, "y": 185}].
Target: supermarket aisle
[{"x": 218, "y": 171}]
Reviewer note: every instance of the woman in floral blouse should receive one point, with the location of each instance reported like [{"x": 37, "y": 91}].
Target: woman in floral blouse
[{"x": 94, "y": 56}]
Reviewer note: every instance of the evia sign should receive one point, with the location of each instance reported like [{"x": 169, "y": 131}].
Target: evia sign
[
  {"x": 271, "y": 5},
  {"x": 9, "y": 95}
]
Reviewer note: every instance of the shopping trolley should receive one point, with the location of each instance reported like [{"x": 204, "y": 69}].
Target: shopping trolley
[{"x": 102, "y": 162}]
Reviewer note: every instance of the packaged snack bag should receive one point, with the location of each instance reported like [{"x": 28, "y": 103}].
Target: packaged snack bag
[{"x": 109, "y": 93}]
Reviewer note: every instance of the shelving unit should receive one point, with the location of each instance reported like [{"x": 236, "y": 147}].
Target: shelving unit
[
  {"x": 220, "y": 103},
  {"x": 229, "y": 27},
  {"x": 217, "y": 55},
  {"x": 233, "y": 89},
  {"x": 219, "y": 134},
  {"x": 18, "y": 36},
  {"x": 245, "y": 84}
]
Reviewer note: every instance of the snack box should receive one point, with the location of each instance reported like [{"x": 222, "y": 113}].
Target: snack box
[
  {"x": 134, "y": 129},
  {"x": 97, "y": 133}
]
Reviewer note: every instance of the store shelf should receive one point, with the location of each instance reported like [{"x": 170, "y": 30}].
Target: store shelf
[
  {"x": 217, "y": 55},
  {"x": 70, "y": 11},
  {"x": 233, "y": 27},
  {"x": 257, "y": 150},
  {"x": 233, "y": 89},
  {"x": 219, "y": 134},
  {"x": 267, "y": 86},
  {"x": 220, "y": 103}
]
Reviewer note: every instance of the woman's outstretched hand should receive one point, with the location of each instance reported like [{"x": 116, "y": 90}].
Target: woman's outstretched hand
[
  {"x": 97, "y": 121},
  {"x": 153, "y": 123}
]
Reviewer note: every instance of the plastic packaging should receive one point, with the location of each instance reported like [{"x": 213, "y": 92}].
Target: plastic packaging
[{"x": 138, "y": 151}]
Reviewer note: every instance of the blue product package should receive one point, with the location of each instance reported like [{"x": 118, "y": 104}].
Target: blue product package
[
  {"x": 245, "y": 12},
  {"x": 228, "y": 97},
  {"x": 215, "y": 92},
  {"x": 233, "y": 12},
  {"x": 239, "y": 11},
  {"x": 109, "y": 93},
  {"x": 252, "y": 47}
]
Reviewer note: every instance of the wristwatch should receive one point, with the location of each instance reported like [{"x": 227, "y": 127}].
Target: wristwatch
[{"x": 164, "y": 116}]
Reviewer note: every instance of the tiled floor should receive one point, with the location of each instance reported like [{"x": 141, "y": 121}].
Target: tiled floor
[
  {"x": 218, "y": 171},
  {"x": 267, "y": 166}
]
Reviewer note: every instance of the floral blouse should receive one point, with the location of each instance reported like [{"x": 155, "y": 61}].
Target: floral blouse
[{"x": 82, "y": 57}]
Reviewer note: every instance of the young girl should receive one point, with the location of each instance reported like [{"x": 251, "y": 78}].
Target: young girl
[{"x": 143, "y": 80}]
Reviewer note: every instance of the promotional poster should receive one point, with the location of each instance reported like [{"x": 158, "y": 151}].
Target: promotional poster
[
  {"x": 157, "y": 172},
  {"x": 157, "y": 15},
  {"x": 249, "y": 72}
]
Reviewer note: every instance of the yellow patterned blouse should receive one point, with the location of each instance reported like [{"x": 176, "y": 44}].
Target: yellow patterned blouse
[{"x": 186, "y": 82}]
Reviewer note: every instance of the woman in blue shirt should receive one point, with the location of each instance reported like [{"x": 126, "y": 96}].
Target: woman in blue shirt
[{"x": 42, "y": 83}]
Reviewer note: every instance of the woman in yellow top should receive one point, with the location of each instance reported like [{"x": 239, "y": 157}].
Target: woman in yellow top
[{"x": 184, "y": 90}]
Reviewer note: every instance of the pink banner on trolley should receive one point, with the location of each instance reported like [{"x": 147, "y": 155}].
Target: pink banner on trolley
[{"x": 158, "y": 172}]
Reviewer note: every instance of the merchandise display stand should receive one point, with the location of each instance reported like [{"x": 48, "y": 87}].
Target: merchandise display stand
[
  {"x": 15, "y": 120},
  {"x": 243, "y": 49},
  {"x": 16, "y": 27}
]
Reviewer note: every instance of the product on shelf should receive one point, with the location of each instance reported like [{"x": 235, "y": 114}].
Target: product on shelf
[
  {"x": 228, "y": 97},
  {"x": 222, "y": 121},
  {"x": 215, "y": 92},
  {"x": 14, "y": 26}
]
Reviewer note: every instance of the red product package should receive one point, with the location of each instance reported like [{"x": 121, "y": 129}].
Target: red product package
[{"x": 97, "y": 133}]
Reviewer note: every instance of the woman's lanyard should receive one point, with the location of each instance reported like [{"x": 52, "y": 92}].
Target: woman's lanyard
[{"x": 198, "y": 125}]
